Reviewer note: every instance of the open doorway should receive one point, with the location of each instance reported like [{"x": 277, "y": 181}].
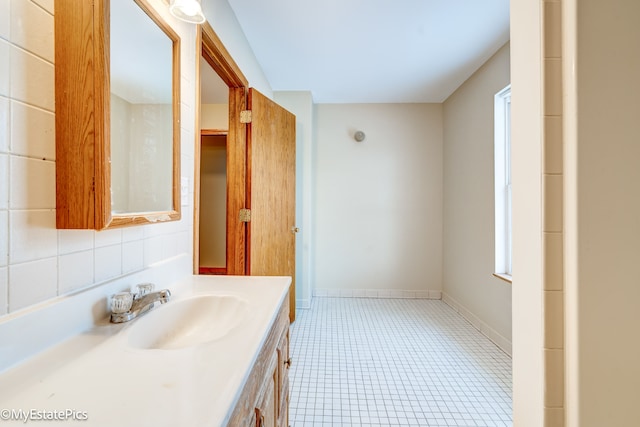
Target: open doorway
[
  {"x": 214, "y": 128},
  {"x": 213, "y": 204},
  {"x": 260, "y": 171},
  {"x": 220, "y": 99}
]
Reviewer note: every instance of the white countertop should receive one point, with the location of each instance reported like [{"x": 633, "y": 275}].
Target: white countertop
[{"x": 97, "y": 374}]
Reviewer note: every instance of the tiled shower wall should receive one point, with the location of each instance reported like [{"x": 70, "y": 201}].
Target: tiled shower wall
[
  {"x": 38, "y": 262},
  {"x": 553, "y": 235}
]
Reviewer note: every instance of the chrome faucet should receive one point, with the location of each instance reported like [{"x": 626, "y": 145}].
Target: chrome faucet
[{"x": 126, "y": 306}]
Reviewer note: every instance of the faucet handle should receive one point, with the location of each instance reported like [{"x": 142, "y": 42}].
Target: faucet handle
[
  {"x": 144, "y": 289},
  {"x": 121, "y": 302}
]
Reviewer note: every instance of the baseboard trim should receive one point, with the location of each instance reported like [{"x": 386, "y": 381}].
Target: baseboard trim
[
  {"x": 502, "y": 342},
  {"x": 377, "y": 293},
  {"x": 303, "y": 303}
]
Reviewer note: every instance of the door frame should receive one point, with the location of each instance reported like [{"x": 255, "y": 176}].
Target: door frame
[{"x": 210, "y": 47}]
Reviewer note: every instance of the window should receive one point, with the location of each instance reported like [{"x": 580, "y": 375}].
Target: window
[{"x": 502, "y": 174}]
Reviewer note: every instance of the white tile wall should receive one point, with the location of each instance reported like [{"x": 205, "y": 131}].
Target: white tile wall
[
  {"x": 553, "y": 145},
  {"x": 33, "y": 183},
  {"x": 132, "y": 256},
  {"x": 32, "y": 79},
  {"x": 32, "y": 131},
  {"x": 152, "y": 250},
  {"x": 4, "y": 289},
  {"x": 5, "y": 117},
  {"x": 553, "y": 87},
  {"x": 554, "y": 417},
  {"x": 130, "y": 234},
  {"x": 173, "y": 244},
  {"x": 108, "y": 237},
  {"x": 32, "y": 28},
  {"x": 553, "y": 261},
  {"x": 4, "y": 181},
  {"x": 45, "y": 4},
  {"x": 554, "y": 378},
  {"x": 552, "y": 29},
  {"x": 5, "y": 68},
  {"x": 4, "y": 238},
  {"x": 108, "y": 262},
  {"x": 4, "y": 20},
  {"x": 75, "y": 271},
  {"x": 74, "y": 240},
  {"x": 553, "y": 203},
  {"x": 32, "y": 235},
  {"x": 38, "y": 262},
  {"x": 32, "y": 282},
  {"x": 553, "y": 215},
  {"x": 554, "y": 319}
]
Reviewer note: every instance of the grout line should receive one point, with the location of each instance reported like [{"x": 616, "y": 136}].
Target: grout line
[
  {"x": 42, "y": 7},
  {"x": 34, "y": 54},
  {"x": 28, "y": 104}
]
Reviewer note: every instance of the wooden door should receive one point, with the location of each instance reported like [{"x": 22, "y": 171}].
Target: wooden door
[{"x": 271, "y": 155}]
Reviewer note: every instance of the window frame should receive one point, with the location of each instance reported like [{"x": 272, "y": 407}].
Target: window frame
[{"x": 502, "y": 185}]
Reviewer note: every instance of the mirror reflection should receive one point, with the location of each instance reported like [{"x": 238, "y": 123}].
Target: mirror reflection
[{"x": 141, "y": 112}]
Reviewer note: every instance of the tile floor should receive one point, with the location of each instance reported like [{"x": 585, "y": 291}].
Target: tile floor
[{"x": 394, "y": 362}]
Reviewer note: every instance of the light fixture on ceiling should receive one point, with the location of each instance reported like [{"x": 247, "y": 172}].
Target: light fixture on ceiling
[{"x": 187, "y": 10}]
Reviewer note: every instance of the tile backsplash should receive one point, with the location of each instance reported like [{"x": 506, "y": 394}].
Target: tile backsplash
[{"x": 37, "y": 261}]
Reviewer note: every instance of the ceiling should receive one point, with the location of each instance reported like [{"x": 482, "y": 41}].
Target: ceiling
[{"x": 372, "y": 51}]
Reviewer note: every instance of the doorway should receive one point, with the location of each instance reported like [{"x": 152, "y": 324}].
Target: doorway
[
  {"x": 220, "y": 98},
  {"x": 214, "y": 128},
  {"x": 260, "y": 171},
  {"x": 213, "y": 203},
  {"x": 253, "y": 146}
]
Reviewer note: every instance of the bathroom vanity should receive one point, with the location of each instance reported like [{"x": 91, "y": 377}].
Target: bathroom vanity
[
  {"x": 264, "y": 401},
  {"x": 215, "y": 354}
]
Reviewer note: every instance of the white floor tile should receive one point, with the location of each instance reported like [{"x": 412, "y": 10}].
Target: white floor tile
[{"x": 394, "y": 362}]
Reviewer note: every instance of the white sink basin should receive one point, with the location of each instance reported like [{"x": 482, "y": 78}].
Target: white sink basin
[{"x": 188, "y": 322}]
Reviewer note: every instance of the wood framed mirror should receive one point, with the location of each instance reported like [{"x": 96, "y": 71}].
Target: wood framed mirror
[{"x": 117, "y": 79}]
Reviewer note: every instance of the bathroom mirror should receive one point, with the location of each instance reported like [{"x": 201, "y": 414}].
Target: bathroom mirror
[{"x": 117, "y": 115}]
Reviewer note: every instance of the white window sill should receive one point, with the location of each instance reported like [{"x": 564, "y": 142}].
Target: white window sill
[{"x": 504, "y": 276}]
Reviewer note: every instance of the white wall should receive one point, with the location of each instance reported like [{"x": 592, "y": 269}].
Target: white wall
[
  {"x": 214, "y": 116},
  {"x": 38, "y": 262},
  {"x": 225, "y": 24},
  {"x": 378, "y": 203},
  {"x": 603, "y": 213},
  {"x": 526, "y": 159},
  {"x": 468, "y": 281}
]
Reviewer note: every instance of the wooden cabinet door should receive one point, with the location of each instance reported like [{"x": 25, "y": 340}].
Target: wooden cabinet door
[
  {"x": 284, "y": 362},
  {"x": 271, "y": 161},
  {"x": 266, "y": 407}
]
